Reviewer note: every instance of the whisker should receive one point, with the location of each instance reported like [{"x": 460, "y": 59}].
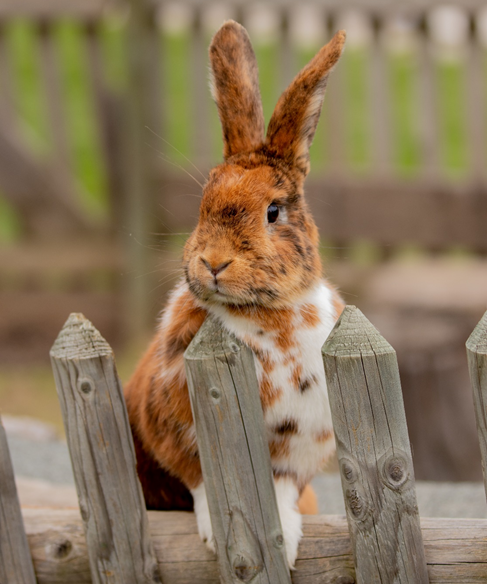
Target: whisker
[
  {"x": 178, "y": 151},
  {"x": 164, "y": 157}
]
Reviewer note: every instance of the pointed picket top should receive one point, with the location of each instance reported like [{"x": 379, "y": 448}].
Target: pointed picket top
[
  {"x": 212, "y": 340},
  {"x": 354, "y": 335},
  {"x": 79, "y": 339},
  {"x": 477, "y": 342}
]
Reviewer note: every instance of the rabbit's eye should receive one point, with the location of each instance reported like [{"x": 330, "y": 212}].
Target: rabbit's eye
[{"x": 272, "y": 213}]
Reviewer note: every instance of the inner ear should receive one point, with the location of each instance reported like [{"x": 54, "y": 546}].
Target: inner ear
[
  {"x": 293, "y": 123},
  {"x": 235, "y": 89}
]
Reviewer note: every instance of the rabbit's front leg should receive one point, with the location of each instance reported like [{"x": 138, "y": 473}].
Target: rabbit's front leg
[
  {"x": 203, "y": 518},
  {"x": 287, "y": 495}
]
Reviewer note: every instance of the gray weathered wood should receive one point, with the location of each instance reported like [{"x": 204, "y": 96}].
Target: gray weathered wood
[
  {"x": 477, "y": 365},
  {"x": 15, "y": 561},
  {"x": 456, "y": 549},
  {"x": 102, "y": 453},
  {"x": 373, "y": 453},
  {"x": 235, "y": 457}
]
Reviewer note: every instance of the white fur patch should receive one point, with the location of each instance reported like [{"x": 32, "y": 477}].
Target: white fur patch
[
  {"x": 310, "y": 409},
  {"x": 203, "y": 518},
  {"x": 287, "y": 498}
]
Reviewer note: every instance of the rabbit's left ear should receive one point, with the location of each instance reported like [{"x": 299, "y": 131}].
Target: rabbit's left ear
[
  {"x": 235, "y": 88},
  {"x": 293, "y": 123}
]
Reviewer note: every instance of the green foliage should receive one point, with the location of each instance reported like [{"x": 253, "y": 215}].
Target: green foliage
[{"x": 177, "y": 113}]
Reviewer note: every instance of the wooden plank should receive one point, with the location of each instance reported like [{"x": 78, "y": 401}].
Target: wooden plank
[
  {"x": 287, "y": 56},
  {"x": 456, "y": 549},
  {"x": 110, "y": 127},
  {"x": 7, "y": 109},
  {"x": 55, "y": 9},
  {"x": 333, "y": 113},
  {"x": 385, "y": 6},
  {"x": 235, "y": 457},
  {"x": 433, "y": 214},
  {"x": 427, "y": 110},
  {"x": 139, "y": 164},
  {"x": 93, "y": 8},
  {"x": 477, "y": 366},
  {"x": 54, "y": 96},
  {"x": 379, "y": 101},
  {"x": 15, "y": 561},
  {"x": 475, "y": 107},
  {"x": 373, "y": 453},
  {"x": 102, "y": 452},
  {"x": 200, "y": 154}
]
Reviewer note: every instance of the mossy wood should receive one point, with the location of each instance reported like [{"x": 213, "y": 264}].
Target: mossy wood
[
  {"x": 235, "y": 458},
  {"x": 15, "y": 561},
  {"x": 103, "y": 458},
  {"x": 477, "y": 365},
  {"x": 374, "y": 453},
  {"x": 456, "y": 549}
]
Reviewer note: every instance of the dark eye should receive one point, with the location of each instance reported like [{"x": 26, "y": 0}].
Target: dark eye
[{"x": 272, "y": 213}]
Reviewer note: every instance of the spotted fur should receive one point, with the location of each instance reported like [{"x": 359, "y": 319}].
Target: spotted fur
[{"x": 262, "y": 279}]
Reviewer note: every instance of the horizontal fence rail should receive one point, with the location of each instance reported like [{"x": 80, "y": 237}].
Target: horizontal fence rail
[{"x": 455, "y": 549}]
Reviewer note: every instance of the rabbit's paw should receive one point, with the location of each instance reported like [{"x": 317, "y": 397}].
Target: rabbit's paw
[
  {"x": 203, "y": 519},
  {"x": 287, "y": 497}
]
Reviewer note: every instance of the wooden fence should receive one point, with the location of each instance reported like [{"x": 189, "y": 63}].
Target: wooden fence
[
  {"x": 113, "y": 539},
  {"x": 379, "y": 206}
]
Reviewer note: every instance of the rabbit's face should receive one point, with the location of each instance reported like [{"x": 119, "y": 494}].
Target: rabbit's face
[{"x": 255, "y": 242}]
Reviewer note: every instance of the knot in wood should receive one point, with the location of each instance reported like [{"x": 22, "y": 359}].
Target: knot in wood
[
  {"x": 61, "y": 549},
  {"x": 85, "y": 385},
  {"x": 244, "y": 568},
  {"x": 215, "y": 393},
  {"x": 279, "y": 541},
  {"x": 348, "y": 470},
  {"x": 356, "y": 503},
  {"x": 395, "y": 471},
  {"x": 234, "y": 348}
]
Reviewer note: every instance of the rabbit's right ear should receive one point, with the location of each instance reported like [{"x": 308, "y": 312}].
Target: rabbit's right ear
[{"x": 235, "y": 88}]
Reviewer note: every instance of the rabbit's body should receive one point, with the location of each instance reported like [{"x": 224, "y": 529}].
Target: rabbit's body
[{"x": 253, "y": 263}]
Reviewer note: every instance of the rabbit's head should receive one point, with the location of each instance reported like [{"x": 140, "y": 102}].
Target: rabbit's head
[{"x": 256, "y": 242}]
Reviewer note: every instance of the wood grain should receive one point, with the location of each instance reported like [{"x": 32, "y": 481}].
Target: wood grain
[
  {"x": 373, "y": 453},
  {"x": 235, "y": 457},
  {"x": 15, "y": 561},
  {"x": 102, "y": 453},
  {"x": 456, "y": 549}
]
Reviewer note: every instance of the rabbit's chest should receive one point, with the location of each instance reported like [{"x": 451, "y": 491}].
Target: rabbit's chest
[{"x": 292, "y": 381}]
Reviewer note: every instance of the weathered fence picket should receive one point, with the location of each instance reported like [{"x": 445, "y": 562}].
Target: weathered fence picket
[
  {"x": 102, "y": 452},
  {"x": 477, "y": 364},
  {"x": 373, "y": 453},
  {"x": 15, "y": 561},
  {"x": 235, "y": 458}
]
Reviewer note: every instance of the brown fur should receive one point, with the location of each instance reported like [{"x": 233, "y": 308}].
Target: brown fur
[
  {"x": 308, "y": 503},
  {"x": 262, "y": 269},
  {"x": 236, "y": 89}
]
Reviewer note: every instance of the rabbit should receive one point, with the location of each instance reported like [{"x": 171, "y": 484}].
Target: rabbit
[{"x": 253, "y": 263}]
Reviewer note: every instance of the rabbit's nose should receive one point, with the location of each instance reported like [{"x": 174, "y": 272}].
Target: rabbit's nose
[{"x": 215, "y": 270}]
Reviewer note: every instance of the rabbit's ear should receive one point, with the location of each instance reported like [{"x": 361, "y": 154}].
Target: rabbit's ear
[
  {"x": 293, "y": 123},
  {"x": 235, "y": 88}
]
